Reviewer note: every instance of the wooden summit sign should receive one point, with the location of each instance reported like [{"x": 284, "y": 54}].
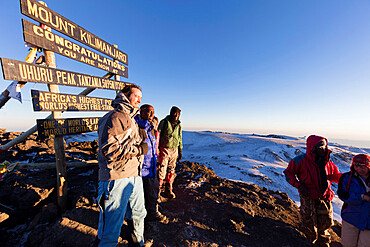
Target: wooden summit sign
[
  {"x": 65, "y": 126},
  {"x": 47, "y": 101},
  {"x": 43, "y": 38},
  {"x": 42, "y": 14},
  {"x": 25, "y": 72}
]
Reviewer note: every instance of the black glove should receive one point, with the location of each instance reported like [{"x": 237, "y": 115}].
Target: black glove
[
  {"x": 180, "y": 155},
  {"x": 143, "y": 148},
  {"x": 303, "y": 190}
]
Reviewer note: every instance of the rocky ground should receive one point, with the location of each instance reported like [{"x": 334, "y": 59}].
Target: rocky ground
[{"x": 208, "y": 210}]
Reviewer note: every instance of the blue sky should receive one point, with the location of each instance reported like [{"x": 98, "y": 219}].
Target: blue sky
[{"x": 284, "y": 67}]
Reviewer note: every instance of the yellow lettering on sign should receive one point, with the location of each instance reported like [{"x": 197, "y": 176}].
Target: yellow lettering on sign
[
  {"x": 64, "y": 78},
  {"x": 71, "y": 79},
  {"x": 43, "y": 13},
  {"x": 59, "y": 75},
  {"x": 53, "y": 97},
  {"x": 98, "y": 44},
  {"x": 76, "y": 48},
  {"x": 83, "y": 36},
  {"x": 43, "y": 75},
  {"x": 49, "y": 124},
  {"x": 49, "y": 35},
  {"x": 83, "y": 51},
  {"x": 107, "y": 49},
  {"x": 29, "y": 73},
  {"x": 59, "y": 40},
  {"x": 32, "y": 9},
  {"x": 72, "y": 28},
  {"x": 22, "y": 71},
  {"x": 56, "y": 24},
  {"x": 47, "y": 96},
  {"x": 64, "y": 25},
  {"x": 38, "y": 31},
  {"x": 36, "y": 73},
  {"x": 68, "y": 44},
  {"x": 88, "y": 61},
  {"x": 60, "y": 49}
]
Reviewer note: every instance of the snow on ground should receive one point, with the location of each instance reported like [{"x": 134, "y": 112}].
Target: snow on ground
[
  {"x": 253, "y": 159},
  {"x": 258, "y": 159}
]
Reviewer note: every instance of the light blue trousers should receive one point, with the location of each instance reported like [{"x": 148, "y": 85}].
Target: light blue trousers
[{"x": 121, "y": 196}]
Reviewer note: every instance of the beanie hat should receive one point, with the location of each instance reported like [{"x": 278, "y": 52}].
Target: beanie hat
[{"x": 361, "y": 159}]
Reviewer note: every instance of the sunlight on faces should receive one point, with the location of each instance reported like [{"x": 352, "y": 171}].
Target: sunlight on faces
[
  {"x": 147, "y": 113},
  {"x": 135, "y": 97},
  {"x": 176, "y": 116}
]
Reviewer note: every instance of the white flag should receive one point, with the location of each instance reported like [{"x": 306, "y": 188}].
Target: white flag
[{"x": 15, "y": 91}]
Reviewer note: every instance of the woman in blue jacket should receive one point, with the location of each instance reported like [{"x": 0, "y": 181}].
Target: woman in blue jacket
[{"x": 354, "y": 190}]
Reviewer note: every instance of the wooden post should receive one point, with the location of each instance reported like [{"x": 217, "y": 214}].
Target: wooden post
[
  {"x": 60, "y": 158},
  {"x": 116, "y": 77}
]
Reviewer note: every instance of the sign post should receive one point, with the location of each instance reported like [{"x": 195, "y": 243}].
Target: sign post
[
  {"x": 60, "y": 159},
  {"x": 66, "y": 126},
  {"x": 54, "y": 126}
]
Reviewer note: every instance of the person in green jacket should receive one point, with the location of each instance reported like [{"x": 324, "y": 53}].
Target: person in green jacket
[{"x": 170, "y": 148}]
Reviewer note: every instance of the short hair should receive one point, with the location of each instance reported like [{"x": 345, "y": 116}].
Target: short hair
[
  {"x": 127, "y": 89},
  {"x": 174, "y": 109},
  {"x": 145, "y": 107},
  {"x": 155, "y": 118}
]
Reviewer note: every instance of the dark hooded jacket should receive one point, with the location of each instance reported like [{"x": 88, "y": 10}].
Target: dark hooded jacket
[
  {"x": 119, "y": 152},
  {"x": 303, "y": 169}
]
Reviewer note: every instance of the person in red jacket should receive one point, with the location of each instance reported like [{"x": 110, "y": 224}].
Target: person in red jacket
[{"x": 312, "y": 173}]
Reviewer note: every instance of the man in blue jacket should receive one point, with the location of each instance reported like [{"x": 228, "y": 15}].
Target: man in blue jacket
[{"x": 149, "y": 167}]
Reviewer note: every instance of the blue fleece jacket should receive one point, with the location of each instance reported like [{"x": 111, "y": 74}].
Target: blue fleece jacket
[
  {"x": 355, "y": 210},
  {"x": 149, "y": 167}
]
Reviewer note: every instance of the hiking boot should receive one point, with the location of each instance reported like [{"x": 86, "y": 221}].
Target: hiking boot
[{"x": 170, "y": 179}]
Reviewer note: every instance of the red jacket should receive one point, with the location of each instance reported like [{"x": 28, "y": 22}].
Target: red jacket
[
  {"x": 157, "y": 143},
  {"x": 303, "y": 169}
]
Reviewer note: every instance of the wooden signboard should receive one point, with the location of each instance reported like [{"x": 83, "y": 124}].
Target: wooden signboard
[
  {"x": 26, "y": 72},
  {"x": 65, "y": 126},
  {"x": 43, "y": 38},
  {"x": 42, "y": 14},
  {"x": 47, "y": 101}
]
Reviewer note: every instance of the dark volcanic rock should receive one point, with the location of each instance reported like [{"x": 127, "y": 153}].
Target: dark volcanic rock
[
  {"x": 33, "y": 150},
  {"x": 207, "y": 211}
]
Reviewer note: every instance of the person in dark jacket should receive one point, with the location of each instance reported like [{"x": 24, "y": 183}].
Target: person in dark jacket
[
  {"x": 312, "y": 173},
  {"x": 170, "y": 147},
  {"x": 149, "y": 167},
  {"x": 121, "y": 152},
  {"x": 354, "y": 191}
]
